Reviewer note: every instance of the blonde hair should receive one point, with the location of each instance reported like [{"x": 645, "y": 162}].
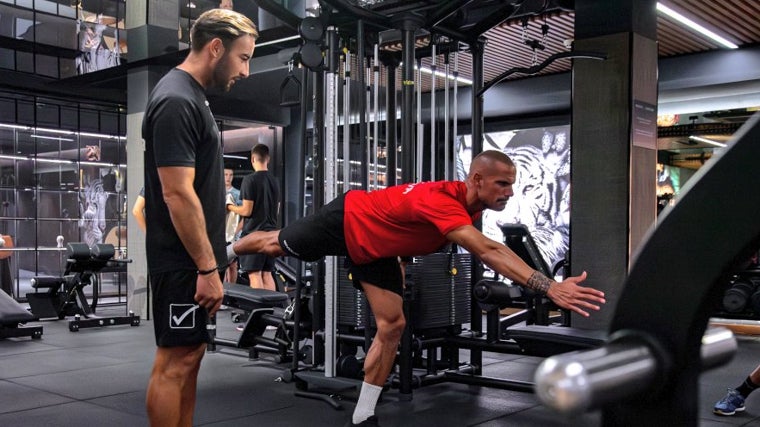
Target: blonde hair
[{"x": 225, "y": 24}]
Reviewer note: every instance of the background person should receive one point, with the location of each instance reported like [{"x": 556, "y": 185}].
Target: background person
[
  {"x": 184, "y": 188},
  {"x": 138, "y": 210},
  {"x": 232, "y": 223},
  {"x": 733, "y": 401},
  {"x": 261, "y": 194}
]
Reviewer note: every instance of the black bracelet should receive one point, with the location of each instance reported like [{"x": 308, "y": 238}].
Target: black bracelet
[{"x": 209, "y": 271}]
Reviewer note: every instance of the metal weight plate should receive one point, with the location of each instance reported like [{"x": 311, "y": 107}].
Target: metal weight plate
[
  {"x": 311, "y": 29},
  {"x": 311, "y": 55}
]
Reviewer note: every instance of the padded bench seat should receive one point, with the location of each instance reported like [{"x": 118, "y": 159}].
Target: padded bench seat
[
  {"x": 546, "y": 341},
  {"x": 47, "y": 282},
  {"x": 249, "y": 299}
]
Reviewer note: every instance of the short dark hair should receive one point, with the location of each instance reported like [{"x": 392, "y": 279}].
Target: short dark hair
[
  {"x": 225, "y": 24},
  {"x": 261, "y": 151}
]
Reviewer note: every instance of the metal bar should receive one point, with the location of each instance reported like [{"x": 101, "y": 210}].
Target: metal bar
[
  {"x": 376, "y": 119},
  {"x": 574, "y": 382},
  {"x": 433, "y": 84}
]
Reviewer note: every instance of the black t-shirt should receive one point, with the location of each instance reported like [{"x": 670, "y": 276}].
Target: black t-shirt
[
  {"x": 179, "y": 130},
  {"x": 263, "y": 190}
]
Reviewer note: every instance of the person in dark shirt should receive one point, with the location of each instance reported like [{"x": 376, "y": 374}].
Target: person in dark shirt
[
  {"x": 373, "y": 229},
  {"x": 184, "y": 207},
  {"x": 260, "y": 194}
]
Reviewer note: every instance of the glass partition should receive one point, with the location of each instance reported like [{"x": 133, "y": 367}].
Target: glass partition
[{"x": 57, "y": 182}]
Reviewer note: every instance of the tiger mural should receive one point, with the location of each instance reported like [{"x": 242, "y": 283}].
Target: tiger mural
[{"x": 541, "y": 198}]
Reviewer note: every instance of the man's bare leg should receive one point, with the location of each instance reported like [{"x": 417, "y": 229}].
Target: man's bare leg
[
  {"x": 389, "y": 315},
  {"x": 170, "y": 399},
  {"x": 259, "y": 242},
  {"x": 258, "y": 280}
]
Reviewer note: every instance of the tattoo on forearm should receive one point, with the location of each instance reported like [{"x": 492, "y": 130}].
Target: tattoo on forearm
[{"x": 538, "y": 282}]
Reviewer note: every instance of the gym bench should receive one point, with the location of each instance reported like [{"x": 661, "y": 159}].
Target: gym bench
[
  {"x": 64, "y": 295},
  {"x": 266, "y": 308},
  {"x": 12, "y": 315}
]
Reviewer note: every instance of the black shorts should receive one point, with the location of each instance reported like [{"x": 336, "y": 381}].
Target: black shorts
[
  {"x": 256, "y": 262},
  {"x": 384, "y": 273},
  {"x": 177, "y": 319},
  {"x": 315, "y": 236}
]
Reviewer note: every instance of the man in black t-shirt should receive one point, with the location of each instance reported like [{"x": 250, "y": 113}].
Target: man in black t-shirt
[
  {"x": 261, "y": 194},
  {"x": 184, "y": 189}
]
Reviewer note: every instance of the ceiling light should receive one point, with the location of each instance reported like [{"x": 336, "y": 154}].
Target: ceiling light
[
  {"x": 442, "y": 74},
  {"x": 284, "y": 39},
  {"x": 694, "y": 26},
  {"x": 706, "y": 141},
  {"x": 54, "y": 138}
]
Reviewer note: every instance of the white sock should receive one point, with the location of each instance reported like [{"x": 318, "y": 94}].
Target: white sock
[
  {"x": 365, "y": 407},
  {"x": 231, "y": 255}
]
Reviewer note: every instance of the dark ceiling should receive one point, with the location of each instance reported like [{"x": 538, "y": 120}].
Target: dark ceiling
[{"x": 507, "y": 24}]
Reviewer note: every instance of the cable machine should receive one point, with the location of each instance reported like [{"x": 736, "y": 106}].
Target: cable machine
[{"x": 335, "y": 43}]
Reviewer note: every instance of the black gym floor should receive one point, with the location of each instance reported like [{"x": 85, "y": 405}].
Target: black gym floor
[{"x": 97, "y": 377}]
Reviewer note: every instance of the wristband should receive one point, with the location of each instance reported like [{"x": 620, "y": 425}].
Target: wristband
[{"x": 206, "y": 272}]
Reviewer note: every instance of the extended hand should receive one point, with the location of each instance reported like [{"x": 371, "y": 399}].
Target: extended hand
[
  {"x": 569, "y": 295},
  {"x": 209, "y": 292}
]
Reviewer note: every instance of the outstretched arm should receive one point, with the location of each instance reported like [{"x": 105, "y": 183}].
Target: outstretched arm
[{"x": 566, "y": 294}]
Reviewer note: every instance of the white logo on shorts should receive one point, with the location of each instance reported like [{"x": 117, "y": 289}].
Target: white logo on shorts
[
  {"x": 181, "y": 316},
  {"x": 289, "y": 249}
]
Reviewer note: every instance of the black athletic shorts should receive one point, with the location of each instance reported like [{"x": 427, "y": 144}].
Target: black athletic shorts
[
  {"x": 256, "y": 262},
  {"x": 384, "y": 273},
  {"x": 315, "y": 236},
  {"x": 321, "y": 234},
  {"x": 177, "y": 319}
]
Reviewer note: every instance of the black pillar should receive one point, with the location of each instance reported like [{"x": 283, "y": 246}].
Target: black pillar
[
  {"x": 408, "y": 25},
  {"x": 614, "y": 144}
]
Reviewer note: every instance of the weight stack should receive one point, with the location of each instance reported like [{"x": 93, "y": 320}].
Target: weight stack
[
  {"x": 353, "y": 307},
  {"x": 442, "y": 290}
]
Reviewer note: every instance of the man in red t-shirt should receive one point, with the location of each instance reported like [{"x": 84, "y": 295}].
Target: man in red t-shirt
[{"x": 373, "y": 229}]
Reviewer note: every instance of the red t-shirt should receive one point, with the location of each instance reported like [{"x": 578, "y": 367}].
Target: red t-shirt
[{"x": 405, "y": 220}]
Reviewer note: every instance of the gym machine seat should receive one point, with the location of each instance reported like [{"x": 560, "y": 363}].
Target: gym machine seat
[
  {"x": 545, "y": 341},
  {"x": 248, "y": 299},
  {"x": 12, "y": 314},
  {"x": 265, "y": 308}
]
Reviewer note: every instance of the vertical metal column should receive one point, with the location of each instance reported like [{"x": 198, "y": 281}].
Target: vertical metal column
[
  {"x": 408, "y": 25},
  {"x": 391, "y": 144},
  {"x": 368, "y": 97},
  {"x": 331, "y": 112},
  {"x": 420, "y": 127},
  {"x": 347, "y": 121},
  {"x": 318, "y": 201},
  {"x": 304, "y": 97},
  {"x": 446, "y": 112},
  {"x": 476, "y": 355},
  {"x": 433, "y": 82},
  {"x": 455, "y": 109},
  {"x": 362, "y": 102},
  {"x": 376, "y": 109},
  {"x": 477, "y": 48}
]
